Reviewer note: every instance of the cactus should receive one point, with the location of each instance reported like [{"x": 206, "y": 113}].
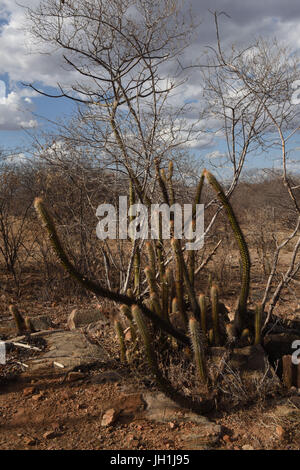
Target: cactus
[
  {"x": 28, "y": 325},
  {"x": 191, "y": 254},
  {"x": 136, "y": 256},
  {"x": 165, "y": 386},
  {"x": 18, "y": 318},
  {"x": 166, "y": 295},
  {"x": 190, "y": 290},
  {"x": 120, "y": 336},
  {"x": 198, "y": 348},
  {"x": 241, "y": 316},
  {"x": 202, "y": 303},
  {"x": 258, "y": 320},
  {"x": 92, "y": 286},
  {"x": 215, "y": 313}
]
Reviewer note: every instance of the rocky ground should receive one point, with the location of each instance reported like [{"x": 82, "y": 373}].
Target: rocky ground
[{"x": 76, "y": 394}]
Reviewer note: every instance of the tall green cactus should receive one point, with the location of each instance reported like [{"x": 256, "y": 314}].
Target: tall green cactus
[{"x": 241, "y": 316}]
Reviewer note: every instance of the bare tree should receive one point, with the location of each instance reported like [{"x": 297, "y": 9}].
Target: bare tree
[{"x": 250, "y": 92}]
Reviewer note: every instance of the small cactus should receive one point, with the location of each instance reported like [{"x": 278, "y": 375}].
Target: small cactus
[
  {"x": 120, "y": 336},
  {"x": 18, "y": 318}
]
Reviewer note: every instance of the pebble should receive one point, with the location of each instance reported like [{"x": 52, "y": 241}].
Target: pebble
[
  {"x": 50, "y": 434},
  {"x": 109, "y": 417},
  {"x": 29, "y": 441},
  {"x": 28, "y": 391},
  {"x": 280, "y": 432}
]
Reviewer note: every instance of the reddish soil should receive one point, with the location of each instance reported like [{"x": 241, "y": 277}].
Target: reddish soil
[{"x": 51, "y": 412}]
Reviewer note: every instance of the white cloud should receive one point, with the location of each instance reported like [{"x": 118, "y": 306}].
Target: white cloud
[{"x": 15, "y": 113}]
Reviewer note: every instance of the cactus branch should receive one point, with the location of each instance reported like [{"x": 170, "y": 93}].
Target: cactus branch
[
  {"x": 244, "y": 252},
  {"x": 92, "y": 286}
]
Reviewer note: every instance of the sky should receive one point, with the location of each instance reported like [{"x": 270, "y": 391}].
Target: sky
[{"x": 24, "y": 113}]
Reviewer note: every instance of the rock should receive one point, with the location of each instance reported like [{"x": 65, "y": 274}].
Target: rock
[
  {"x": 39, "y": 396},
  {"x": 227, "y": 439},
  {"x": 73, "y": 376},
  {"x": 280, "y": 432},
  {"x": 203, "y": 438},
  {"x": 287, "y": 409},
  {"x": 279, "y": 345},
  {"x": 51, "y": 434},
  {"x": 247, "y": 447},
  {"x": 249, "y": 358},
  {"x": 68, "y": 348},
  {"x": 163, "y": 410},
  {"x": 108, "y": 376},
  {"x": 110, "y": 416},
  {"x": 78, "y": 318},
  {"x": 28, "y": 391},
  {"x": 29, "y": 441},
  {"x": 42, "y": 322}
]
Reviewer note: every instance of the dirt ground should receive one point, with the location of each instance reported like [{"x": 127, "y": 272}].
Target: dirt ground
[{"x": 55, "y": 411}]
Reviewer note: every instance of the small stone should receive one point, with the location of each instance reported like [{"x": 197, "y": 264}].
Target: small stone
[
  {"x": 280, "y": 432},
  {"x": 29, "y": 441},
  {"x": 73, "y": 376},
  {"x": 50, "y": 435},
  {"x": 78, "y": 318},
  {"x": 247, "y": 447},
  {"x": 81, "y": 406},
  {"x": 109, "y": 417},
  {"x": 227, "y": 439},
  {"x": 28, "y": 391},
  {"x": 38, "y": 397},
  {"x": 171, "y": 425},
  {"x": 128, "y": 335}
]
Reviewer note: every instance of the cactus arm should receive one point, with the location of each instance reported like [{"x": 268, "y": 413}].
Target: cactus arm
[
  {"x": 121, "y": 339},
  {"x": 215, "y": 313},
  {"x": 202, "y": 304},
  {"x": 198, "y": 348},
  {"x": 92, "y": 286},
  {"x": 191, "y": 253},
  {"x": 258, "y": 320},
  {"x": 244, "y": 252}
]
